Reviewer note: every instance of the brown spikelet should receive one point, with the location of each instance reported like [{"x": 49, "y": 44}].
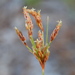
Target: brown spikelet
[
  {"x": 38, "y": 44},
  {"x": 43, "y": 61},
  {"x": 22, "y": 38},
  {"x": 29, "y": 33},
  {"x": 55, "y": 31},
  {"x": 28, "y": 19},
  {"x": 36, "y": 15},
  {"x": 40, "y": 35},
  {"x": 40, "y": 53}
]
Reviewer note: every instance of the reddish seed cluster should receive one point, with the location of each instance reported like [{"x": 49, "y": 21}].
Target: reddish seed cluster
[
  {"x": 39, "y": 49},
  {"x": 55, "y": 31},
  {"x": 21, "y": 36},
  {"x": 36, "y": 15}
]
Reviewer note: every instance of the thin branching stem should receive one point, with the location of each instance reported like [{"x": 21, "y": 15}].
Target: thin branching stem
[
  {"x": 32, "y": 42},
  {"x": 29, "y": 49},
  {"x": 47, "y": 30},
  {"x": 43, "y": 72},
  {"x": 43, "y": 38},
  {"x": 49, "y": 43}
]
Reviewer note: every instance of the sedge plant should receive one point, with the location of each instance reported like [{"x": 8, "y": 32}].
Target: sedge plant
[{"x": 39, "y": 49}]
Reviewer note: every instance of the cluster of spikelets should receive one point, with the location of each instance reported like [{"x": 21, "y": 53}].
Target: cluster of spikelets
[{"x": 39, "y": 49}]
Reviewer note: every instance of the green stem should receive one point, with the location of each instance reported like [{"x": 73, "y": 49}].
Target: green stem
[
  {"x": 43, "y": 38},
  {"x": 49, "y": 43},
  {"x": 29, "y": 49},
  {"x": 47, "y": 30},
  {"x": 43, "y": 72},
  {"x": 32, "y": 41}
]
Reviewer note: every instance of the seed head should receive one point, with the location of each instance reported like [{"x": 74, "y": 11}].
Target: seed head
[
  {"x": 55, "y": 31},
  {"x": 28, "y": 19},
  {"x": 21, "y": 36},
  {"x": 36, "y": 15},
  {"x": 40, "y": 35},
  {"x": 39, "y": 49}
]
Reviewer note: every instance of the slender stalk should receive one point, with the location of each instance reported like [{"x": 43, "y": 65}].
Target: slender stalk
[
  {"x": 49, "y": 43},
  {"x": 43, "y": 38},
  {"x": 47, "y": 30},
  {"x": 32, "y": 41},
  {"x": 29, "y": 49},
  {"x": 43, "y": 72}
]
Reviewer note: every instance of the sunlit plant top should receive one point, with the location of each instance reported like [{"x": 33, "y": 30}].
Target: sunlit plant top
[{"x": 39, "y": 49}]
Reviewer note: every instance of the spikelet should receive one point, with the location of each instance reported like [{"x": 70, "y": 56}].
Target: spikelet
[
  {"x": 36, "y": 15},
  {"x": 29, "y": 33},
  {"x": 55, "y": 31},
  {"x": 38, "y": 44},
  {"x": 28, "y": 19},
  {"x": 40, "y": 35},
  {"x": 21, "y": 36},
  {"x": 28, "y": 25}
]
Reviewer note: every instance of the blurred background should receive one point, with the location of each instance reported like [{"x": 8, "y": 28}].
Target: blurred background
[{"x": 14, "y": 56}]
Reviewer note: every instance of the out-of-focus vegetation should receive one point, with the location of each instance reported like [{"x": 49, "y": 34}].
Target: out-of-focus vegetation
[
  {"x": 71, "y": 3},
  {"x": 31, "y": 2}
]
